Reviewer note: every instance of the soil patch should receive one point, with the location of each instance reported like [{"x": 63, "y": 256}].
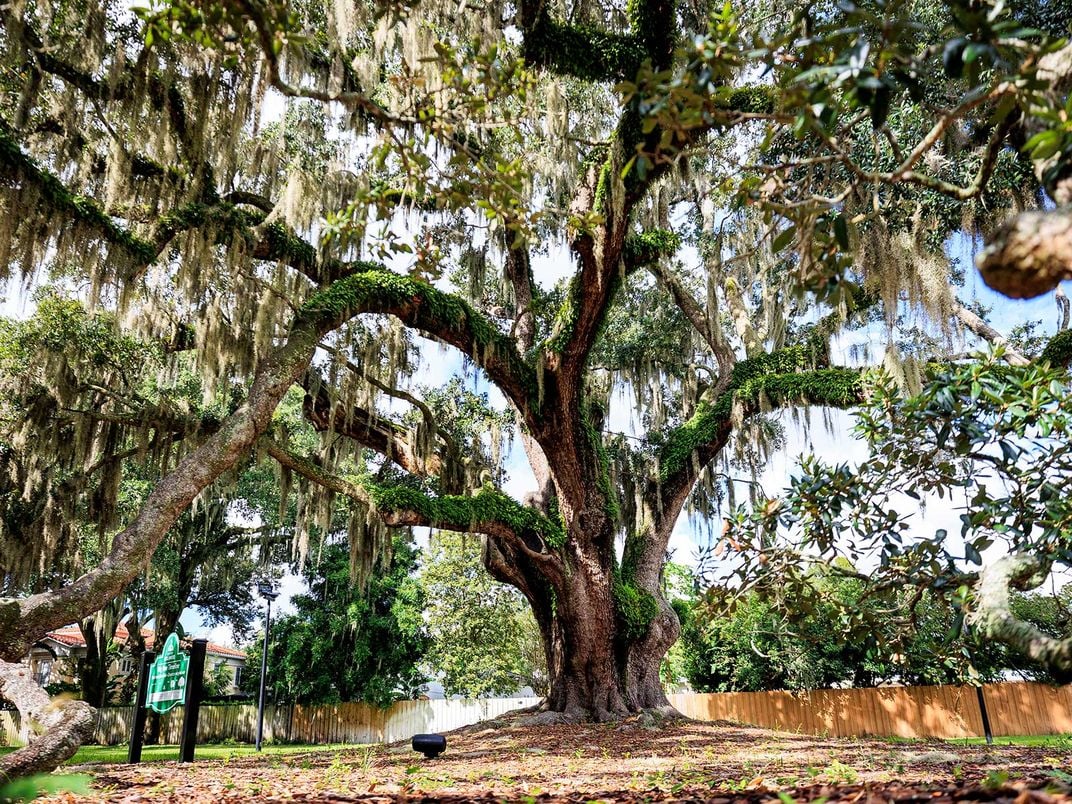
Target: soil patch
[{"x": 625, "y": 761}]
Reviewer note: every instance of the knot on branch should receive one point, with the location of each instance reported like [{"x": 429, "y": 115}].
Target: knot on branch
[{"x": 1029, "y": 255}]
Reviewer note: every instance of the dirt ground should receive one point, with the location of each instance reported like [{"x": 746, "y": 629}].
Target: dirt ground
[{"x": 715, "y": 762}]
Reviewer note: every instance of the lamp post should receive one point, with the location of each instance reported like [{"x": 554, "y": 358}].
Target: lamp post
[{"x": 268, "y": 592}]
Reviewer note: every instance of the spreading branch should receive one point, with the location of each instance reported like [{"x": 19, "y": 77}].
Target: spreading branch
[
  {"x": 489, "y": 511},
  {"x": 443, "y": 316},
  {"x": 784, "y": 378}
]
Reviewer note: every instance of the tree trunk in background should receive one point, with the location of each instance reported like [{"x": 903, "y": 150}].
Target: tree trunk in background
[{"x": 98, "y": 632}]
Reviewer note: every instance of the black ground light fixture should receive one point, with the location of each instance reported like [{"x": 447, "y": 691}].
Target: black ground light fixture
[
  {"x": 268, "y": 592},
  {"x": 431, "y": 745}
]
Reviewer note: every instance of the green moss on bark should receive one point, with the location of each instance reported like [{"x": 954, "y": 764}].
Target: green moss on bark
[
  {"x": 56, "y": 196},
  {"x": 456, "y": 512},
  {"x": 781, "y": 377},
  {"x": 582, "y": 51},
  {"x": 648, "y": 247},
  {"x": 1059, "y": 350}
]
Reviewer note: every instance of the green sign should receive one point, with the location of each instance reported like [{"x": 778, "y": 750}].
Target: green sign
[{"x": 167, "y": 677}]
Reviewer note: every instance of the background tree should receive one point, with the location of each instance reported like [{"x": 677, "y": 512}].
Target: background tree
[
  {"x": 482, "y": 639},
  {"x": 344, "y": 642},
  {"x": 598, "y": 143},
  {"x": 991, "y": 439},
  {"x": 749, "y": 643}
]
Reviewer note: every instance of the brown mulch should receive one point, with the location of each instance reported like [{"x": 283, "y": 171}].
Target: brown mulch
[{"x": 679, "y": 761}]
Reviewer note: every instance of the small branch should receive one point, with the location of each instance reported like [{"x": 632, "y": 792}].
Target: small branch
[{"x": 977, "y": 325}]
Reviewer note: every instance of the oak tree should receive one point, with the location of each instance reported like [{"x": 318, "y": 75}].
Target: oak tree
[{"x": 292, "y": 195}]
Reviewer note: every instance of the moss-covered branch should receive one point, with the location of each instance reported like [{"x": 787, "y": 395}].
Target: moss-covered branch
[
  {"x": 271, "y": 242},
  {"x": 786, "y": 377},
  {"x": 581, "y": 51},
  {"x": 440, "y": 315},
  {"x": 19, "y": 170},
  {"x": 1058, "y": 350},
  {"x": 489, "y": 511},
  {"x": 649, "y": 247},
  {"x": 375, "y": 432}
]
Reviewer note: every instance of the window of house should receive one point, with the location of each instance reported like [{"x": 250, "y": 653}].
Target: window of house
[
  {"x": 126, "y": 665},
  {"x": 238, "y": 676}
]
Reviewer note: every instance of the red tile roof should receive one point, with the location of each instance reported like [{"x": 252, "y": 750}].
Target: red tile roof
[{"x": 72, "y": 635}]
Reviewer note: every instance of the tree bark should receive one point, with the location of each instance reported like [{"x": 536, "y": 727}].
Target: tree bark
[
  {"x": 1030, "y": 254},
  {"x": 56, "y": 728},
  {"x": 598, "y": 668},
  {"x": 992, "y": 612}
]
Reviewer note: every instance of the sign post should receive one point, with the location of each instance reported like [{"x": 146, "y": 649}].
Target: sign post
[
  {"x": 195, "y": 682},
  {"x": 137, "y": 732}
]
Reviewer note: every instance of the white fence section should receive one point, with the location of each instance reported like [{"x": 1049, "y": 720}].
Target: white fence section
[{"x": 327, "y": 723}]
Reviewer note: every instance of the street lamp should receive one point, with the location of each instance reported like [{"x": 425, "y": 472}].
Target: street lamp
[{"x": 268, "y": 592}]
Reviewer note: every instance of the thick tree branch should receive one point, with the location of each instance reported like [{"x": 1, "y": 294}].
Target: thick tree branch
[
  {"x": 24, "y": 620},
  {"x": 397, "y": 393},
  {"x": 783, "y": 378},
  {"x": 311, "y": 471},
  {"x": 65, "y": 723},
  {"x": 580, "y": 51},
  {"x": 268, "y": 241},
  {"x": 442, "y": 316},
  {"x": 1029, "y": 255},
  {"x": 489, "y": 511},
  {"x": 375, "y": 432},
  {"x": 993, "y": 617}
]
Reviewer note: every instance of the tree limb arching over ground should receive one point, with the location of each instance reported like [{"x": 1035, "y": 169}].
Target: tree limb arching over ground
[{"x": 607, "y": 141}]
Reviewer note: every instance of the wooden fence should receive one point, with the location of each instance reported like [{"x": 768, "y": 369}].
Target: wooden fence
[{"x": 950, "y": 712}]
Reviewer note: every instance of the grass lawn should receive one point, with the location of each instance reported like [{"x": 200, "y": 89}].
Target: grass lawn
[
  {"x": 1037, "y": 741},
  {"x": 160, "y": 753}
]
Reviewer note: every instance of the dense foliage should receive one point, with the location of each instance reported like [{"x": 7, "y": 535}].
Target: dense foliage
[
  {"x": 990, "y": 439},
  {"x": 344, "y": 643},
  {"x": 483, "y": 641},
  {"x": 751, "y": 644}
]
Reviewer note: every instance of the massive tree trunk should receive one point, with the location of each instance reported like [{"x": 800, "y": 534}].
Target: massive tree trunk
[
  {"x": 605, "y": 627},
  {"x": 603, "y": 658}
]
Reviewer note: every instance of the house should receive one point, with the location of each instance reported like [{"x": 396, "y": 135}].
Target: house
[{"x": 54, "y": 659}]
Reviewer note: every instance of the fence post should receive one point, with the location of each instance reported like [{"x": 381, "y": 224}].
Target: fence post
[{"x": 986, "y": 717}]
